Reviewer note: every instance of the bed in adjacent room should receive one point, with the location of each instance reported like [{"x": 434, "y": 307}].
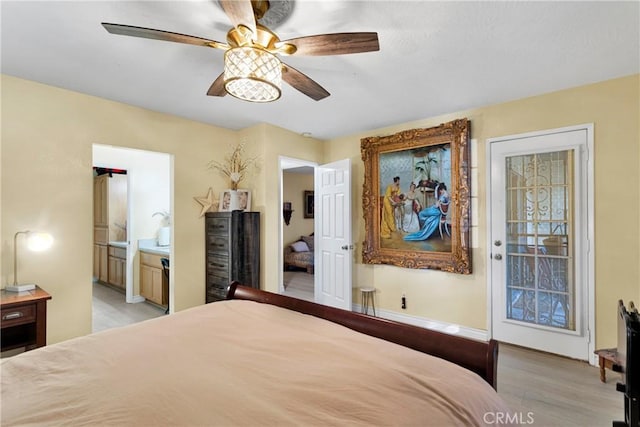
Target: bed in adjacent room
[
  {"x": 300, "y": 254},
  {"x": 256, "y": 359}
]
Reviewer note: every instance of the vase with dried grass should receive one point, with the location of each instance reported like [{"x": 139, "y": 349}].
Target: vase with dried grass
[{"x": 235, "y": 167}]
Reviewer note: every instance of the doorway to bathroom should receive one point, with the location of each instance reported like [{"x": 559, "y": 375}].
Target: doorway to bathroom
[{"x": 132, "y": 189}]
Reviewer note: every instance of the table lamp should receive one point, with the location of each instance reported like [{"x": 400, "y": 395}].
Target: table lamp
[{"x": 37, "y": 242}]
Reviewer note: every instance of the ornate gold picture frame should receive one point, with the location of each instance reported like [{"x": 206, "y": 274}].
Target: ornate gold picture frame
[{"x": 416, "y": 198}]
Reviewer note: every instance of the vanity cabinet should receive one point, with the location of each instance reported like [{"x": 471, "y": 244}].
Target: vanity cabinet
[
  {"x": 232, "y": 251},
  {"x": 100, "y": 263},
  {"x": 117, "y": 267},
  {"x": 153, "y": 284}
]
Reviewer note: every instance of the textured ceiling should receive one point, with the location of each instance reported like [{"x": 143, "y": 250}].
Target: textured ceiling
[{"x": 434, "y": 58}]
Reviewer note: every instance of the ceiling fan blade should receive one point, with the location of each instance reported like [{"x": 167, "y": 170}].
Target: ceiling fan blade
[
  {"x": 150, "y": 33},
  {"x": 240, "y": 12},
  {"x": 335, "y": 44},
  {"x": 217, "y": 87},
  {"x": 303, "y": 83}
]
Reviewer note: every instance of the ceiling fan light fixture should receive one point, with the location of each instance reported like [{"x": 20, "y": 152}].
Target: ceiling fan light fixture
[{"x": 252, "y": 74}]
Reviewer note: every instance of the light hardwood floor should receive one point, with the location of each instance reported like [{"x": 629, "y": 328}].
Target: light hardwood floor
[
  {"x": 553, "y": 390},
  {"x": 111, "y": 311},
  {"x": 298, "y": 284},
  {"x": 556, "y": 390}
]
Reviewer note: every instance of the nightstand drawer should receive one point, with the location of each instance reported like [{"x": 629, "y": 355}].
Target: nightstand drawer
[{"x": 18, "y": 315}]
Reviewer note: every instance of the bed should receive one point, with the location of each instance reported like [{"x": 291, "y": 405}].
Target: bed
[
  {"x": 255, "y": 359},
  {"x": 300, "y": 254}
]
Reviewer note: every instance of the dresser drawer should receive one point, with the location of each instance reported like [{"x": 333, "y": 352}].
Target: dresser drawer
[
  {"x": 215, "y": 271},
  {"x": 218, "y": 243},
  {"x": 216, "y": 294},
  {"x": 18, "y": 315},
  {"x": 218, "y": 281},
  {"x": 218, "y": 264},
  {"x": 219, "y": 225}
]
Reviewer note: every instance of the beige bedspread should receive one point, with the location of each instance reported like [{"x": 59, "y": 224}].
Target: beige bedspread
[{"x": 238, "y": 363}]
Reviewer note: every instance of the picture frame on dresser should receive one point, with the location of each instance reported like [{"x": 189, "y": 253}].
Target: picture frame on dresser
[{"x": 243, "y": 200}]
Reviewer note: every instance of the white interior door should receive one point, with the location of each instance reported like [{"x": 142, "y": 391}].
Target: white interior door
[
  {"x": 540, "y": 241},
  {"x": 333, "y": 245}
]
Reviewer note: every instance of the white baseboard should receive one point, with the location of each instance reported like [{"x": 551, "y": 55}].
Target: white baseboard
[
  {"x": 436, "y": 325},
  {"x": 136, "y": 299}
]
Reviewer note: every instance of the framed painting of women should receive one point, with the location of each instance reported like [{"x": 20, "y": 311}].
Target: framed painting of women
[{"x": 416, "y": 198}]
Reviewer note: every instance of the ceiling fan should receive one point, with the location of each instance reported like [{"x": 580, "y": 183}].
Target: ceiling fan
[{"x": 253, "y": 70}]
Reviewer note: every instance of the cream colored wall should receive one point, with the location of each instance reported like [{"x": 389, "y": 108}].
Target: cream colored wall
[
  {"x": 275, "y": 143},
  {"x": 46, "y": 179},
  {"x": 294, "y": 185},
  {"x": 613, "y": 107}
]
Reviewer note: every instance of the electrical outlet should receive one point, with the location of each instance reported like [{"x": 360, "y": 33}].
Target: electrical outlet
[{"x": 404, "y": 301}]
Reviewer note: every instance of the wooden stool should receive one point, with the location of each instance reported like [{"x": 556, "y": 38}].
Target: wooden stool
[
  {"x": 608, "y": 358},
  {"x": 368, "y": 297}
]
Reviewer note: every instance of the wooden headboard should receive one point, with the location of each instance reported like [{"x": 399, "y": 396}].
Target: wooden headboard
[{"x": 480, "y": 357}]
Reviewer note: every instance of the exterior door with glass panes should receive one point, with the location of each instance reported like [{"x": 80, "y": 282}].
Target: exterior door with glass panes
[{"x": 539, "y": 242}]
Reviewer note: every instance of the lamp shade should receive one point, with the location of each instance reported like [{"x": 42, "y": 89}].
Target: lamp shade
[
  {"x": 252, "y": 74},
  {"x": 37, "y": 242}
]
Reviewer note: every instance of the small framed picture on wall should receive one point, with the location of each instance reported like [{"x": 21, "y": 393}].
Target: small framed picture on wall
[{"x": 308, "y": 204}]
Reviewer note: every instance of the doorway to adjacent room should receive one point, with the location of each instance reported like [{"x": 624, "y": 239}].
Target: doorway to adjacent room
[
  {"x": 297, "y": 225},
  {"x": 132, "y": 188}
]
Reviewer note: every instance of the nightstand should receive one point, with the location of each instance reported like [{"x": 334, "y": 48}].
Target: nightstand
[{"x": 23, "y": 319}]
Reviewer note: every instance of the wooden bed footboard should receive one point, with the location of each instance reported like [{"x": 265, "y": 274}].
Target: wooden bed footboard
[{"x": 478, "y": 356}]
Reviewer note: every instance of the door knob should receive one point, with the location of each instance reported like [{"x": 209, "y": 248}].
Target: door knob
[
  {"x": 498, "y": 243},
  {"x": 346, "y": 247},
  {"x": 497, "y": 257}
]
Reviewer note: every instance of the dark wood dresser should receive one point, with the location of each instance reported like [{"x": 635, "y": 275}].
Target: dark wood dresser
[
  {"x": 24, "y": 319},
  {"x": 232, "y": 251}
]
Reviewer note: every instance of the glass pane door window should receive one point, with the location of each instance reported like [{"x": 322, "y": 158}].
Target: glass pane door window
[{"x": 539, "y": 212}]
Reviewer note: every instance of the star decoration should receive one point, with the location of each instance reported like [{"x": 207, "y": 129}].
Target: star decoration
[{"x": 207, "y": 202}]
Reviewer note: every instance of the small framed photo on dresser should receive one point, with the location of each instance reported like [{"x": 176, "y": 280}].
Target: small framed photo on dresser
[{"x": 231, "y": 200}]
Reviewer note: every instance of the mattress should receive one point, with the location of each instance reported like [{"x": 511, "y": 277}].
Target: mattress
[{"x": 239, "y": 363}]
